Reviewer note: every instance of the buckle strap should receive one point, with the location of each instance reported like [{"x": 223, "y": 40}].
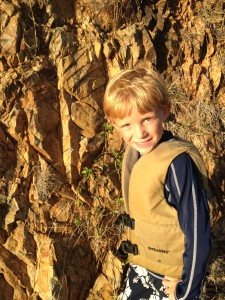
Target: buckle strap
[
  {"x": 126, "y": 220},
  {"x": 128, "y": 247},
  {"x": 125, "y": 247}
]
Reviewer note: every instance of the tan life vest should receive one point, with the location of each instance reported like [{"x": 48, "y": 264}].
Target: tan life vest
[{"x": 157, "y": 232}]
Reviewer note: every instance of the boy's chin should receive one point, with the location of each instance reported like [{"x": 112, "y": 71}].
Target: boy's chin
[{"x": 143, "y": 150}]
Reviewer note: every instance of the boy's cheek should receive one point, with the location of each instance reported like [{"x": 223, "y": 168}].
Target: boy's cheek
[{"x": 126, "y": 140}]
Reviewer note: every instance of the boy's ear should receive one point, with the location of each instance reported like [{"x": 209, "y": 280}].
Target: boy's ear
[{"x": 113, "y": 123}]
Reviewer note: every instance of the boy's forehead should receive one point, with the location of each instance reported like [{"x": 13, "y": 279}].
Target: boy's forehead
[{"x": 136, "y": 112}]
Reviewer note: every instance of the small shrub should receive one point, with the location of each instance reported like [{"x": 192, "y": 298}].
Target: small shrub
[
  {"x": 107, "y": 128},
  {"x": 87, "y": 173},
  {"x": 46, "y": 181}
]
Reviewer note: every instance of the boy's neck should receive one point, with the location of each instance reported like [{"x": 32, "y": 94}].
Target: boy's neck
[{"x": 167, "y": 135}]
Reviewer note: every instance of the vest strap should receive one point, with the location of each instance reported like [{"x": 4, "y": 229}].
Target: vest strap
[
  {"x": 126, "y": 220},
  {"x": 128, "y": 247},
  {"x": 125, "y": 248}
]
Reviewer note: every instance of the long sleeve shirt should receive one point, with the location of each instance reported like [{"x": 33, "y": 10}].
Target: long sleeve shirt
[{"x": 184, "y": 191}]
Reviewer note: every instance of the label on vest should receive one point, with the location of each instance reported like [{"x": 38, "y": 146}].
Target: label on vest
[{"x": 158, "y": 250}]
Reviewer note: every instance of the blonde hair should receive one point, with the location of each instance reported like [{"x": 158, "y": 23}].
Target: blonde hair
[{"x": 139, "y": 88}]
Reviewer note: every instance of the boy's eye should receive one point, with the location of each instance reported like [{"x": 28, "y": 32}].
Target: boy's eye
[
  {"x": 147, "y": 120},
  {"x": 125, "y": 126}
]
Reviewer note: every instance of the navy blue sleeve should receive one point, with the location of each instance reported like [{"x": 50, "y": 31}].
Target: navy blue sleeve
[{"x": 183, "y": 190}]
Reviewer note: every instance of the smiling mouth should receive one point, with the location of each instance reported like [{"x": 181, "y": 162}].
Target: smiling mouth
[{"x": 143, "y": 144}]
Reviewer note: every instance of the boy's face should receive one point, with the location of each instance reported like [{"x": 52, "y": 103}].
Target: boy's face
[{"x": 142, "y": 131}]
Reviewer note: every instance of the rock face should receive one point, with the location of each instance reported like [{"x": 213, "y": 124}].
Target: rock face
[{"x": 60, "y": 160}]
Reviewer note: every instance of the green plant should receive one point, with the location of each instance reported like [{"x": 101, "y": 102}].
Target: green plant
[
  {"x": 107, "y": 128},
  {"x": 87, "y": 173},
  {"x": 118, "y": 159},
  {"x": 77, "y": 221}
]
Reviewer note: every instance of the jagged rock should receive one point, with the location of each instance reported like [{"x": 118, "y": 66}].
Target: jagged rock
[
  {"x": 13, "y": 210},
  {"x": 86, "y": 117},
  {"x": 129, "y": 46},
  {"x": 16, "y": 122},
  {"x": 108, "y": 50},
  {"x": 10, "y": 38},
  {"x": 62, "y": 210},
  {"x": 7, "y": 153},
  {"x": 216, "y": 72},
  {"x": 15, "y": 274},
  {"x": 204, "y": 87},
  {"x": 45, "y": 269},
  {"x": 109, "y": 281},
  {"x": 3, "y": 235},
  {"x": 61, "y": 42},
  {"x": 9, "y": 8},
  {"x": 6, "y": 290},
  {"x": 70, "y": 138},
  {"x": 21, "y": 244}
]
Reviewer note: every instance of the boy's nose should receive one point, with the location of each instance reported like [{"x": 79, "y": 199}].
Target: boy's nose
[{"x": 139, "y": 131}]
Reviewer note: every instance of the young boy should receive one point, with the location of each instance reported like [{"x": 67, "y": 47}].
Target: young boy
[{"x": 164, "y": 188}]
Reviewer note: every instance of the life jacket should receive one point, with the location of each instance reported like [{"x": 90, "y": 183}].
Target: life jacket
[{"x": 156, "y": 232}]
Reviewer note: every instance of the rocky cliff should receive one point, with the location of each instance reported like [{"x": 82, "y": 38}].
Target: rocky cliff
[{"x": 60, "y": 160}]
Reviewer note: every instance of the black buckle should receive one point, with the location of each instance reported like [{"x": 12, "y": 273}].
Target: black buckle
[
  {"x": 120, "y": 254},
  {"x": 126, "y": 220},
  {"x": 128, "y": 247},
  {"x": 124, "y": 248}
]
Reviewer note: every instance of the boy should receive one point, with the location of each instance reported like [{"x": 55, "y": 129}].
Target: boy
[{"x": 164, "y": 188}]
